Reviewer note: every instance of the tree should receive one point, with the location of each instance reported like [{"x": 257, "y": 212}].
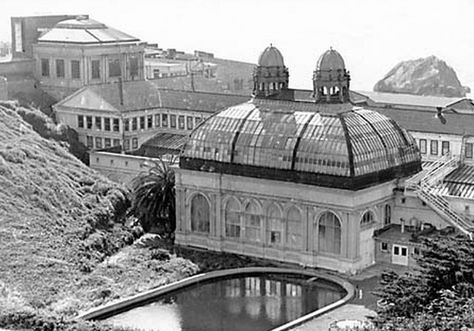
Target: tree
[
  {"x": 153, "y": 198},
  {"x": 438, "y": 295}
]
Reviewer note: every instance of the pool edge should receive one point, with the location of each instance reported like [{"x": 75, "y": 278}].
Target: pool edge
[{"x": 131, "y": 301}]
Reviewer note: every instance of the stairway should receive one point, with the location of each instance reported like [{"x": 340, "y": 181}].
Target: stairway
[
  {"x": 424, "y": 184},
  {"x": 434, "y": 171}
]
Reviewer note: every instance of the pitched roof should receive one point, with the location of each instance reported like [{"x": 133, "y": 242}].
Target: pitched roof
[
  {"x": 426, "y": 121},
  {"x": 139, "y": 95},
  {"x": 85, "y": 31},
  {"x": 382, "y": 98}
]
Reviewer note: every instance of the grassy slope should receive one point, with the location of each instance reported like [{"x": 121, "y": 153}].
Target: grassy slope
[{"x": 59, "y": 222}]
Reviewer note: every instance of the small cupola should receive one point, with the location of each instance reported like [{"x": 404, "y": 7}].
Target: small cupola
[
  {"x": 271, "y": 75},
  {"x": 331, "y": 79}
]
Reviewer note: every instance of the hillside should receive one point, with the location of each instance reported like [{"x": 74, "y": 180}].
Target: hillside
[
  {"x": 424, "y": 76},
  {"x": 64, "y": 240}
]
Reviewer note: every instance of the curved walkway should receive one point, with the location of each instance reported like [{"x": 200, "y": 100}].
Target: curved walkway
[{"x": 347, "y": 311}]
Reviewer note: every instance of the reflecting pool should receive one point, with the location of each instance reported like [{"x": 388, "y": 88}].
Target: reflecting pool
[{"x": 250, "y": 302}]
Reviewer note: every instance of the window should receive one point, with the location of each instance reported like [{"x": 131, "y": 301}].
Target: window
[
  {"x": 329, "y": 233},
  {"x": 367, "y": 219},
  {"x": 384, "y": 247},
  {"x": 45, "y": 67},
  {"x": 274, "y": 226},
  {"x": 404, "y": 251},
  {"x": 98, "y": 123},
  {"x": 181, "y": 122},
  {"x": 434, "y": 147},
  {"x": 116, "y": 125},
  {"x": 189, "y": 122},
  {"x": 149, "y": 121},
  {"x": 423, "y": 146},
  {"x": 293, "y": 228},
  {"x": 232, "y": 219},
  {"x": 197, "y": 120},
  {"x": 126, "y": 125},
  {"x": 116, "y": 142},
  {"x": 134, "y": 143},
  {"x": 468, "y": 151},
  {"x": 95, "y": 69},
  {"x": 89, "y": 122},
  {"x": 114, "y": 68},
  {"x": 134, "y": 124},
  {"x": 126, "y": 144},
  {"x": 98, "y": 142},
  {"x": 396, "y": 250},
  {"x": 106, "y": 124},
  {"x": 387, "y": 215},
  {"x": 133, "y": 65},
  {"x": 164, "y": 120},
  {"x": 444, "y": 147},
  {"x": 173, "y": 121},
  {"x": 157, "y": 120},
  {"x": 90, "y": 142},
  {"x": 60, "y": 68},
  {"x": 252, "y": 222},
  {"x": 80, "y": 121},
  {"x": 75, "y": 69},
  {"x": 416, "y": 251},
  {"x": 200, "y": 214},
  {"x": 107, "y": 142},
  {"x": 142, "y": 122}
]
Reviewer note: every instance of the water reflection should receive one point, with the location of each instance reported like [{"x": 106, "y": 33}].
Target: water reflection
[{"x": 245, "y": 303}]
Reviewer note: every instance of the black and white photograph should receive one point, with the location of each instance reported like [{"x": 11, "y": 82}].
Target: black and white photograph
[{"x": 236, "y": 165}]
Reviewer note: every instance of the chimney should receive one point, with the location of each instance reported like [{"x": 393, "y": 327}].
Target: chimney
[
  {"x": 120, "y": 87},
  {"x": 402, "y": 223}
]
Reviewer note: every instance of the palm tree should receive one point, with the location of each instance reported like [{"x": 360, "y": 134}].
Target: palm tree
[{"x": 153, "y": 198}]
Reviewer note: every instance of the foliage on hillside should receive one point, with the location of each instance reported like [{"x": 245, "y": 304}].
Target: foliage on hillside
[
  {"x": 439, "y": 296},
  {"x": 45, "y": 126},
  {"x": 60, "y": 225}
]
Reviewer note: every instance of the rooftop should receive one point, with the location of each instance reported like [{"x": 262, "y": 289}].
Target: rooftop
[
  {"x": 271, "y": 57},
  {"x": 138, "y": 95},
  {"x": 383, "y": 98},
  {"x": 84, "y": 31},
  {"x": 335, "y": 145}
]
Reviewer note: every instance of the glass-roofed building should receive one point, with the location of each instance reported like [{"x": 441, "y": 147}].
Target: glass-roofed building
[{"x": 305, "y": 182}]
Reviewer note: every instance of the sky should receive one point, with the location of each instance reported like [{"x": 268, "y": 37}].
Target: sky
[{"x": 371, "y": 35}]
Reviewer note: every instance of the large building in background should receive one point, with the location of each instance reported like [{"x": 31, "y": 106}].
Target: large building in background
[{"x": 81, "y": 51}]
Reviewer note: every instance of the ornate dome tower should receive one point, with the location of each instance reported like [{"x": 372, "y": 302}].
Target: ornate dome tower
[
  {"x": 271, "y": 75},
  {"x": 331, "y": 79}
]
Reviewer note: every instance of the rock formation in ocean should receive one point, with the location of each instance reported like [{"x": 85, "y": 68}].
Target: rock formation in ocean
[{"x": 423, "y": 76}]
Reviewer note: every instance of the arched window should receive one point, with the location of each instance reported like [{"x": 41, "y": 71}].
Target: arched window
[
  {"x": 252, "y": 222},
  {"x": 387, "y": 217},
  {"x": 274, "y": 226},
  {"x": 232, "y": 219},
  {"x": 200, "y": 212},
  {"x": 329, "y": 233},
  {"x": 367, "y": 219},
  {"x": 293, "y": 229}
]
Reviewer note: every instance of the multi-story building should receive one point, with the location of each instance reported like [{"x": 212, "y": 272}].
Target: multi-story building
[
  {"x": 81, "y": 51},
  {"x": 130, "y": 113}
]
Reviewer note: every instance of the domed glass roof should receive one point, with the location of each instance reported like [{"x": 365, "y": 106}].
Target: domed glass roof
[
  {"x": 330, "y": 60},
  {"x": 271, "y": 57},
  {"x": 326, "y": 145}
]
